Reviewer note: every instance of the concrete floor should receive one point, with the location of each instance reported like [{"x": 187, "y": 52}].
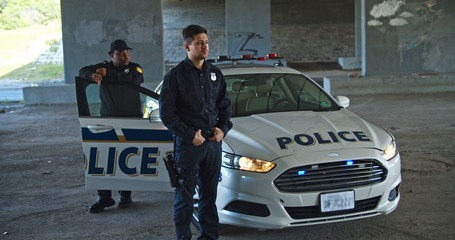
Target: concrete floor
[{"x": 43, "y": 194}]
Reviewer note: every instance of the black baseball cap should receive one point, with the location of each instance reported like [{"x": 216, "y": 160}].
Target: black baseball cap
[{"x": 119, "y": 45}]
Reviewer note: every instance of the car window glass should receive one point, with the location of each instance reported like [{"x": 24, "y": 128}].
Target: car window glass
[
  {"x": 148, "y": 104},
  {"x": 308, "y": 96},
  {"x": 262, "y": 93},
  {"x": 93, "y": 99}
]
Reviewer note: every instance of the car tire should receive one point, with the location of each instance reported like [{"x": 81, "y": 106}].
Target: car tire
[{"x": 195, "y": 218}]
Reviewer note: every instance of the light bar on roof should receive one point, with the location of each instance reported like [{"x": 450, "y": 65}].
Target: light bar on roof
[
  {"x": 224, "y": 58},
  {"x": 250, "y": 58},
  {"x": 273, "y": 55}
]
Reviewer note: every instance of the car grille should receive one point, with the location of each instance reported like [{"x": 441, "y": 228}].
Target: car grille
[
  {"x": 330, "y": 176},
  {"x": 315, "y": 212},
  {"x": 249, "y": 208}
]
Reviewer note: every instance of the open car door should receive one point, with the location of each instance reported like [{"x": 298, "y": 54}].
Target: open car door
[{"x": 123, "y": 153}]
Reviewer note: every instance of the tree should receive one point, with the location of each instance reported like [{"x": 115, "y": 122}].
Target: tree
[{"x": 24, "y": 13}]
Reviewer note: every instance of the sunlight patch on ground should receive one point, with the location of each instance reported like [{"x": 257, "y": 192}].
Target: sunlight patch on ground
[{"x": 23, "y": 46}]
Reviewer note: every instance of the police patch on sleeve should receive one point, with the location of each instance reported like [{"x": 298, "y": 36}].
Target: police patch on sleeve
[{"x": 139, "y": 69}]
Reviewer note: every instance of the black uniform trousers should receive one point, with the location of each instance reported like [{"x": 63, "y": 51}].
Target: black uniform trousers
[
  {"x": 108, "y": 194},
  {"x": 200, "y": 165}
]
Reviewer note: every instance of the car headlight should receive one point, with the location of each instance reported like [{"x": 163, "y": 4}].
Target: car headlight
[
  {"x": 246, "y": 163},
  {"x": 390, "y": 151}
]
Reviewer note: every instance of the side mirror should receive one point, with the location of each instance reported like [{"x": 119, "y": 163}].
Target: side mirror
[
  {"x": 343, "y": 101},
  {"x": 155, "y": 115}
]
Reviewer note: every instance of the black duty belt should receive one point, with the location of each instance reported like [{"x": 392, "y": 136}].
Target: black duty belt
[{"x": 207, "y": 133}]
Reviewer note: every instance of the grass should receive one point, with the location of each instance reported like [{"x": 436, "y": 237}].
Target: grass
[
  {"x": 21, "y": 46},
  {"x": 36, "y": 72}
]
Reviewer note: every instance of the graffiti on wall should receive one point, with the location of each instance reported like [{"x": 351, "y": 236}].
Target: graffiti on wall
[
  {"x": 413, "y": 22},
  {"x": 243, "y": 39}
]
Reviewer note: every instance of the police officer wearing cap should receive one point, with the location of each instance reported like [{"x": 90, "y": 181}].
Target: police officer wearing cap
[
  {"x": 194, "y": 106},
  {"x": 117, "y": 100}
]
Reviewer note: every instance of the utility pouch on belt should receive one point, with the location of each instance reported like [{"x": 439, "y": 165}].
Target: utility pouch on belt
[
  {"x": 207, "y": 133},
  {"x": 171, "y": 167}
]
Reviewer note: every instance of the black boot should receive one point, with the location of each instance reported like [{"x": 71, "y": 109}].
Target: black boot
[
  {"x": 125, "y": 199},
  {"x": 100, "y": 204},
  {"x": 104, "y": 200}
]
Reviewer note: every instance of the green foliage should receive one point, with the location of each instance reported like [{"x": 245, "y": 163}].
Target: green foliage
[
  {"x": 24, "y": 13},
  {"x": 52, "y": 45},
  {"x": 3, "y": 4}
]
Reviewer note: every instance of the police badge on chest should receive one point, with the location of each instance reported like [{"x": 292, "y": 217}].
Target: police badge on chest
[{"x": 213, "y": 76}]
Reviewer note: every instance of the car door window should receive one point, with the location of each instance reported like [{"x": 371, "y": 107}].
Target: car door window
[{"x": 148, "y": 104}]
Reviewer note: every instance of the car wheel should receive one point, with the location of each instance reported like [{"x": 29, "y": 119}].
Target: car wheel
[{"x": 195, "y": 218}]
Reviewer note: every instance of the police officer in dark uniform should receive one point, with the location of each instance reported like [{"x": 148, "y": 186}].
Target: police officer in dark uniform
[
  {"x": 194, "y": 106},
  {"x": 117, "y": 100}
]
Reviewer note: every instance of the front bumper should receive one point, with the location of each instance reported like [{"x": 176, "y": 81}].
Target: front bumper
[{"x": 252, "y": 200}]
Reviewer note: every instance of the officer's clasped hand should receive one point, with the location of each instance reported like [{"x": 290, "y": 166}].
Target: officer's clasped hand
[
  {"x": 214, "y": 134},
  {"x": 198, "y": 138},
  {"x": 98, "y": 76},
  {"x": 218, "y": 135},
  {"x": 101, "y": 71}
]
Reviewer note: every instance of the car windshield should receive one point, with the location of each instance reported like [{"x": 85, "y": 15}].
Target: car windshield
[{"x": 264, "y": 93}]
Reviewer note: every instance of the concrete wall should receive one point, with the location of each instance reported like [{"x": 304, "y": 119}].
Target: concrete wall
[
  {"x": 315, "y": 42},
  {"x": 309, "y": 30},
  {"x": 406, "y": 37},
  {"x": 178, "y": 14},
  {"x": 301, "y": 30},
  {"x": 90, "y": 26},
  {"x": 247, "y": 27}
]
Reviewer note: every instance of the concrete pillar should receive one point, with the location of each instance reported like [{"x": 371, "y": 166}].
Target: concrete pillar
[
  {"x": 358, "y": 28},
  {"x": 88, "y": 28},
  {"x": 248, "y": 27},
  {"x": 363, "y": 37},
  {"x": 349, "y": 63}
]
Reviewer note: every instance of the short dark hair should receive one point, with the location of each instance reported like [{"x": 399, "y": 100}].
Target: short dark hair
[{"x": 189, "y": 32}]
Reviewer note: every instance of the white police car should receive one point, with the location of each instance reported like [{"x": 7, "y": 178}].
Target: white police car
[{"x": 295, "y": 156}]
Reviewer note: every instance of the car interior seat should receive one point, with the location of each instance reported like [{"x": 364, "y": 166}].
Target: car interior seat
[
  {"x": 239, "y": 96},
  {"x": 262, "y": 101}
]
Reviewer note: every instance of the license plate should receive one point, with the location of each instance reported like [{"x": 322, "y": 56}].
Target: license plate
[{"x": 337, "y": 201}]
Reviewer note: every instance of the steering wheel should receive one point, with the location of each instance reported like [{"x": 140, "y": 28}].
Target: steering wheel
[{"x": 284, "y": 104}]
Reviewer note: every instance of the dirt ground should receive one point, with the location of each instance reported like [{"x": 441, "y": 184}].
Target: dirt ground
[{"x": 43, "y": 194}]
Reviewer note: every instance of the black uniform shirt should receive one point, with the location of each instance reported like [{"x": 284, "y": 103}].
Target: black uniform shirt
[
  {"x": 117, "y": 99},
  {"x": 192, "y": 99}
]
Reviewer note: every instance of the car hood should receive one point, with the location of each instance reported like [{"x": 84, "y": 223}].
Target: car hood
[{"x": 274, "y": 135}]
